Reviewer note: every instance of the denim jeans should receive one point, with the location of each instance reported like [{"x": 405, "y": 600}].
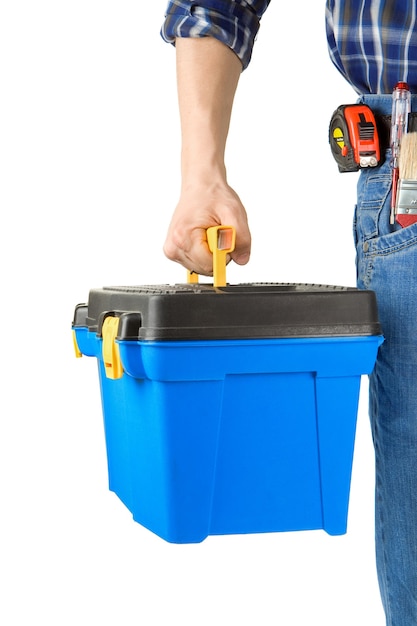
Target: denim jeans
[{"x": 387, "y": 263}]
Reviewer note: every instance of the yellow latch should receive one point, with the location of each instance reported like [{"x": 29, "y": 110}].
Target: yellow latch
[
  {"x": 78, "y": 352},
  {"x": 221, "y": 241},
  {"x": 111, "y": 355}
]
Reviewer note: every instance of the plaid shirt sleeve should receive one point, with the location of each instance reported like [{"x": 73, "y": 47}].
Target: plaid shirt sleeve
[{"x": 233, "y": 22}]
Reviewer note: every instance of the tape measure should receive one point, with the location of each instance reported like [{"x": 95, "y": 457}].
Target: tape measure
[{"x": 353, "y": 138}]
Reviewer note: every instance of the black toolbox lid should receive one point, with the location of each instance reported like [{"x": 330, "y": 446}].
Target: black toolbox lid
[{"x": 252, "y": 310}]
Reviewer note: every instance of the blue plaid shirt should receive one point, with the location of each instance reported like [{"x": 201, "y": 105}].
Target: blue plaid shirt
[{"x": 373, "y": 43}]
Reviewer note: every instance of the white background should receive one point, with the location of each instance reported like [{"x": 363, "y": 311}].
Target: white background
[{"x": 89, "y": 178}]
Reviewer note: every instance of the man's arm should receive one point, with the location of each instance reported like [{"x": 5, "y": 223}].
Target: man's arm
[{"x": 207, "y": 76}]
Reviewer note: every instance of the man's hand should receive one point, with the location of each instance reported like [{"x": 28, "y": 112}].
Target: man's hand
[{"x": 199, "y": 208}]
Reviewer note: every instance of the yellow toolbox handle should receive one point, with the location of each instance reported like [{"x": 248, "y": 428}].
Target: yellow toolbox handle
[{"x": 221, "y": 241}]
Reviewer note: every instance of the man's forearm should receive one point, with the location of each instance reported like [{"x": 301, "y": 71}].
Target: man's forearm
[{"x": 207, "y": 74}]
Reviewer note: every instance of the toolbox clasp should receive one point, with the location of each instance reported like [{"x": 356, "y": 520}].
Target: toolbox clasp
[
  {"x": 111, "y": 355},
  {"x": 78, "y": 353}
]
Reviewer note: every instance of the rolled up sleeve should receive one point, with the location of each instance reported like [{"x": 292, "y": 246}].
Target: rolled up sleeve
[{"x": 235, "y": 23}]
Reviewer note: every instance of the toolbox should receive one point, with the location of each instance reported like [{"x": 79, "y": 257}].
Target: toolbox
[{"x": 230, "y": 409}]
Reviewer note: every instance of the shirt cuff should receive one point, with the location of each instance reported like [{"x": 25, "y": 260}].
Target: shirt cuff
[{"x": 234, "y": 24}]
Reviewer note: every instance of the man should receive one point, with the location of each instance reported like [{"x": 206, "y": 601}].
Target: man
[{"x": 373, "y": 43}]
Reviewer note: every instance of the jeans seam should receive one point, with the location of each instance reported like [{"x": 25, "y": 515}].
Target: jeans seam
[
  {"x": 367, "y": 267},
  {"x": 390, "y": 250}
]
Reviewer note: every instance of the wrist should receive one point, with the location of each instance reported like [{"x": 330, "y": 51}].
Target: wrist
[
  {"x": 202, "y": 157},
  {"x": 197, "y": 173}
]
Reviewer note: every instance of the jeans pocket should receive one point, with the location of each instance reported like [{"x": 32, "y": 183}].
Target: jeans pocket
[{"x": 373, "y": 210}]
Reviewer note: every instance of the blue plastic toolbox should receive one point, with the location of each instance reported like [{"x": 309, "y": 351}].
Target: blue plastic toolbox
[{"x": 230, "y": 409}]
